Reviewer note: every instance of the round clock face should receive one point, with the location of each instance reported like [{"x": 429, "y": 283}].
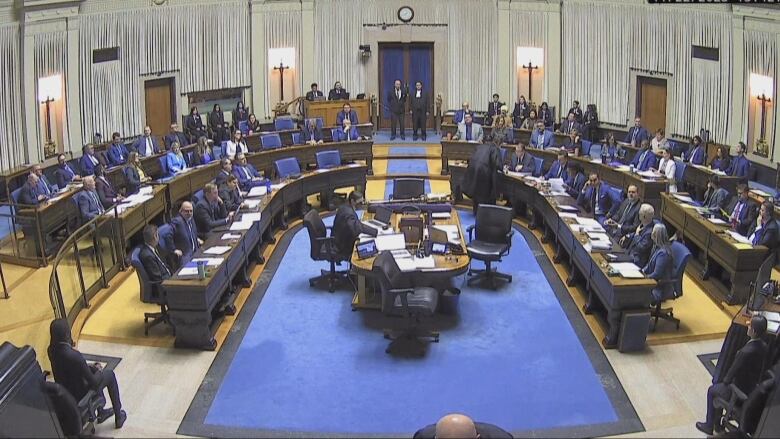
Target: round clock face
[{"x": 405, "y": 14}]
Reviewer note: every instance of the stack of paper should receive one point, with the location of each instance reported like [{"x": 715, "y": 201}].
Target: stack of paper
[
  {"x": 567, "y": 214},
  {"x": 425, "y": 263},
  {"x": 212, "y": 262},
  {"x": 556, "y": 185},
  {"x": 683, "y": 198},
  {"x": 717, "y": 221},
  {"x": 217, "y": 250},
  {"x": 241, "y": 225},
  {"x": 277, "y": 186},
  {"x": 568, "y": 208},
  {"x": 257, "y": 191},
  {"x": 628, "y": 270},
  {"x": 252, "y": 204},
  {"x": 226, "y": 236},
  {"x": 251, "y": 217},
  {"x": 188, "y": 271},
  {"x": 739, "y": 238},
  {"x": 395, "y": 241},
  {"x": 624, "y": 168},
  {"x": 587, "y": 221},
  {"x": 718, "y": 172}
]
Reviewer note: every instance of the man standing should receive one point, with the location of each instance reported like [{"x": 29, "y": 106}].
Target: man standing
[
  {"x": 480, "y": 181},
  {"x": 420, "y": 109},
  {"x": 637, "y": 133},
  {"x": 396, "y": 103}
]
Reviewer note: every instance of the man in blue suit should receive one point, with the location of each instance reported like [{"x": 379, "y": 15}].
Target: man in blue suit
[
  {"x": 117, "y": 152},
  {"x": 147, "y": 144},
  {"x": 594, "y": 198},
  {"x": 346, "y": 113},
  {"x": 311, "y": 133},
  {"x": 638, "y": 243},
  {"x": 715, "y": 197},
  {"x": 347, "y": 133},
  {"x": 696, "y": 154},
  {"x": 29, "y": 194},
  {"x": 88, "y": 201},
  {"x": 185, "y": 233},
  {"x": 175, "y": 136},
  {"x": 740, "y": 165},
  {"x": 459, "y": 116},
  {"x": 558, "y": 168},
  {"x": 743, "y": 211},
  {"x": 44, "y": 187},
  {"x": 541, "y": 138},
  {"x": 88, "y": 160},
  {"x": 574, "y": 180},
  {"x": 637, "y": 133},
  {"x": 645, "y": 158},
  {"x": 227, "y": 170},
  {"x": 64, "y": 173},
  {"x": 247, "y": 175}
]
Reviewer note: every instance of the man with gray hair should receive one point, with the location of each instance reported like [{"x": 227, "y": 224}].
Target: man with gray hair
[
  {"x": 460, "y": 426},
  {"x": 638, "y": 243},
  {"x": 89, "y": 203}
]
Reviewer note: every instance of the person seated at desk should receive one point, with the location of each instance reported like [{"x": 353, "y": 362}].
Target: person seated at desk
[
  {"x": 116, "y": 152},
  {"x": 659, "y": 142},
  {"x": 346, "y": 113},
  {"x": 469, "y": 131},
  {"x": 574, "y": 180},
  {"x": 576, "y": 110},
  {"x": 146, "y": 145},
  {"x": 530, "y": 122},
  {"x": 203, "y": 153},
  {"x": 458, "y": 426},
  {"x": 193, "y": 125},
  {"x": 667, "y": 168},
  {"x": 230, "y": 194},
  {"x": 558, "y": 168},
  {"x": 240, "y": 114},
  {"x": 743, "y": 211},
  {"x": 44, "y": 187},
  {"x": 155, "y": 267},
  {"x": 70, "y": 369},
  {"x": 740, "y": 165},
  {"x": 594, "y": 198},
  {"x": 502, "y": 128},
  {"x": 29, "y": 194},
  {"x": 541, "y": 138},
  {"x": 314, "y": 92},
  {"x": 337, "y": 93},
  {"x": 226, "y": 170},
  {"x": 346, "y": 225},
  {"x": 89, "y": 204},
  {"x": 347, "y": 133},
  {"x": 722, "y": 160},
  {"x": 247, "y": 175},
  {"x": 546, "y": 116},
  {"x": 611, "y": 150},
  {"x": 88, "y": 160},
  {"x": 236, "y": 144},
  {"x": 253, "y": 124},
  {"x": 744, "y": 372},
  {"x": 520, "y": 112},
  {"x": 106, "y": 193},
  {"x": 639, "y": 243},
  {"x": 64, "y": 174},
  {"x": 185, "y": 233},
  {"x": 644, "y": 159},
  {"x": 660, "y": 267},
  {"x": 521, "y": 161},
  {"x": 574, "y": 143},
  {"x": 637, "y": 134},
  {"x": 311, "y": 133},
  {"x": 494, "y": 109},
  {"x": 715, "y": 197},
  {"x": 174, "y": 136},
  {"x": 217, "y": 124},
  {"x": 460, "y": 115},
  {"x": 174, "y": 160},
  {"x": 696, "y": 154},
  {"x": 211, "y": 212},
  {"x": 765, "y": 232},
  {"x": 134, "y": 173},
  {"x": 570, "y": 125},
  {"x": 480, "y": 181},
  {"x": 625, "y": 218}
]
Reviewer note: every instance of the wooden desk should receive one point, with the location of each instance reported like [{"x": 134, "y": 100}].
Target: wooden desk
[
  {"x": 307, "y": 154},
  {"x": 447, "y": 266},
  {"x": 197, "y": 306},
  {"x": 187, "y": 183},
  {"x": 150, "y": 165},
  {"x": 709, "y": 243},
  {"x": 133, "y": 219},
  {"x": 328, "y": 110},
  {"x": 254, "y": 143}
]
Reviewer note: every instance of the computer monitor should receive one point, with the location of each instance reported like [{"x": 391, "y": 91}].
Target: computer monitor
[
  {"x": 383, "y": 214},
  {"x": 757, "y": 295}
]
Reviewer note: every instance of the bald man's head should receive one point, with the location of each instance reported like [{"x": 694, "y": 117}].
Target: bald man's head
[{"x": 456, "y": 425}]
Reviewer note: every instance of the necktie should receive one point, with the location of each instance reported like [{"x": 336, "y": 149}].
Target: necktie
[
  {"x": 625, "y": 212},
  {"x": 642, "y": 160},
  {"x": 468, "y": 132},
  {"x": 70, "y": 172},
  {"x": 149, "y": 147},
  {"x": 93, "y": 160},
  {"x": 45, "y": 185},
  {"x": 192, "y": 236},
  {"x": 246, "y": 172},
  {"x": 633, "y": 136},
  {"x": 738, "y": 210},
  {"x": 560, "y": 169},
  {"x": 398, "y": 94},
  {"x": 540, "y": 142},
  {"x": 595, "y": 200},
  {"x": 97, "y": 202}
]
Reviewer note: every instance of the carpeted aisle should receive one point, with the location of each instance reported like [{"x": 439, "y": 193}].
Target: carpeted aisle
[{"x": 308, "y": 364}]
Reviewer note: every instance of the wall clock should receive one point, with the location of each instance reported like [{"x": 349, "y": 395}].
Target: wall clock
[{"x": 405, "y": 14}]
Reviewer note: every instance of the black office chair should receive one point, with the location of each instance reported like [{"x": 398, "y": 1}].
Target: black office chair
[
  {"x": 743, "y": 412},
  {"x": 76, "y": 418},
  {"x": 405, "y": 188},
  {"x": 490, "y": 239},
  {"x": 680, "y": 256},
  {"x": 324, "y": 248},
  {"x": 400, "y": 298},
  {"x": 151, "y": 292}
]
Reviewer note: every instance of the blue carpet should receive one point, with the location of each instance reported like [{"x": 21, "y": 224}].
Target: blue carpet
[
  {"x": 6, "y": 222},
  {"x": 405, "y": 166},
  {"x": 308, "y": 363}
]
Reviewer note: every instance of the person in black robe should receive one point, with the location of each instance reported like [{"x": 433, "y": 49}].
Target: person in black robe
[{"x": 480, "y": 181}]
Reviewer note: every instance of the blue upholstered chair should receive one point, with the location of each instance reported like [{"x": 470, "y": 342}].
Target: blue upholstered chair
[
  {"x": 284, "y": 123},
  {"x": 538, "y": 167},
  {"x": 288, "y": 167},
  {"x": 328, "y": 159},
  {"x": 271, "y": 141},
  {"x": 151, "y": 292},
  {"x": 680, "y": 256}
]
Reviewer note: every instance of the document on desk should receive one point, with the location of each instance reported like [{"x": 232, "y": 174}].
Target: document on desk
[
  {"x": 739, "y": 238},
  {"x": 278, "y": 186},
  {"x": 628, "y": 270},
  {"x": 648, "y": 174},
  {"x": 453, "y": 233},
  {"x": 188, "y": 271},
  {"x": 684, "y": 198},
  {"x": 556, "y": 185},
  {"x": 598, "y": 236},
  {"x": 406, "y": 264},
  {"x": 395, "y": 241},
  {"x": 587, "y": 221},
  {"x": 227, "y": 236},
  {"x": 211, "y": 262},
  {"x": 717, "y": 172},
  {"x": 425, "y": 263},
  {"x": 600, "y": 245},
  {"x": 717, "y": 221},
  {"x": 217, "y": 250},
  {"x": 568, "y": 208},
  {"x": 624, "y": 168},
  {"x": 257, "y": 191},
  {"x": 567, "y": 214},
  {"x": 241, "y": 225},
  {"x": 251, "y": 217},
  {"x": 252, "y": 204},
  {"x": 441, "y": 215}
]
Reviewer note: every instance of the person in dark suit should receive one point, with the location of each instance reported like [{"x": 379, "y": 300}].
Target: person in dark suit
[
  {"x": 570, "y": 125},
  {"x": 740, "y": 165},
  {"x": 314, "y": 93},
  {"x": 521, "y": 161},
  {"x": 494, "y": 109},
  {"x": 558, "y": 168},
  {"x": 88, "y": 160},
  {"x": 574, "y": 180},
  {"x": 420, "y": 108},
  {"x": 155, "y": 267},
  {"x": 89, "y": 202},
  {"x": 230, "y": 194},
  {"x": 765, "y": 232},
  {"x": 64, "y": 173},
  {"x": 347, "y": 133},
  {"x": 481, "y": 179},
  {"x": 639, "y": 243},
  {"x": 211, "y": 212},
  {"x": 146, "y": 145},
  {"x": 193, "y": 126},
  {"x": 175, "y": 136},
  {"x": 520, "y": 111},
  {"x": 625, "y": 218},
  {"x": 29, "y": 194},
  {"x": 459, "y": 426},
  {"x": 645, "y": 159},
  {"x": 594, "y": 198},
  {"x": 44, "y": 187},
  {"x": 660, "y": 266},
  {"x": 72, "y": 372},
  {"x": 227, "y": 170},
  {"x": 346, "y": 225},
  {"x": 337, "y": 92},
  {"x": 247, "y": 175},
  {"x": 637, "y": 134},
  {"x": 106, "y": 193},
  {"x": 134, "y": 173},
  {"x": 396, "y": 104},
  {"x": 185, "y": 233},
  {"x": 576, "y": 110},
  {"x": 460, "y": 115},
  {"x": 591, "y": 122},
  {"x": 546, "y": 116},
  {"x": 715, "y": 197},
  {"x": 744, "y": 373},
  {"x": 311, "y": 133},
  {"x": 696, "y": 154},
  {"x": 346, "y": 113},
  {"x": 219, "y": 128},
  {"x": 743, "y": 211},
  {"x": 116, "y": 152}
]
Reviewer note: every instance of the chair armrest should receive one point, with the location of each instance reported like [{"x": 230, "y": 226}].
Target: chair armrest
[
  {"x": 403, "y": 292},
  {"x": 737, "y": 394}
]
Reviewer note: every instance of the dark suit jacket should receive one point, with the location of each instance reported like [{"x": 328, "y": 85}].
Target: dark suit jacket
[
  {"x": 557, "y": 170},
  {"x": 484, "y": 430},
  {"x": 140, "y": 145},
  {"x": 193, "y": 125},
  {"x": 28, "y": 195},
  {"x": 347, "y": 227},
  {"x": 630, "y": 216},
  {"x": 394, "y": 104},
  {"x": 740, "y": 166},
  {"x": 155, "y": 267},
  {"x": 176, "y": 136},
  {"x": 640, "y": 245},
  {"x": 88, "y": 205},
  {"x": 767, "y": 236},
  {"x": 661, "y": 268},
  {"x": 208, "y": 217},
  {"x": 132, "y": 179},
  {"x": 105, "y": 192},
  {"x": 494, "y": 108},
  {"x": 306, "y": 134},
  {"x": 64, "y": 175},
  {"x": 117, "y": 154},
  {"x": 641, "y": 135},
  {"x": 578, "y": 116},
  {"x": 341, "y": 136},
  {"x": 71, "y": 371},
  {"x": 747, "y": 216},
  {"x": 421, "y": 104},
  {"x": 716, "y": 199},
  {"x": 575, "y": 184},
  {"x": 585, "y": 199},
  {"x": 231, "y": 198},
  {"x": 310, "y": 95},
  {"x": 352, "y": 117},
  {"x": 546, "y": 117},
  {"x": 527, "y": 162},
  {"x": 567, "y": 127},
  {"x": 647, "y": 162},
  {"x": 334, "y": 94},
  {"x": 87, "y": 167},
  {"x": 748, "y": 364},
  {"x": 182, "y": 239},
  {"x": 221, "y": 178}
]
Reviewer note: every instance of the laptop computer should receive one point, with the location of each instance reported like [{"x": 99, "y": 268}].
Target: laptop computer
[
  {"x": 438, "y": 235},
  {"x": 366, "y": 249},
  {"x": 381, "y": 218}
]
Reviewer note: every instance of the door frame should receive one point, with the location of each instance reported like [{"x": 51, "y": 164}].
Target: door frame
[
  {"x": 633, "y": 97},
  {"x": 176, "y": 98},
  {"x": 428, "y": 88}
]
